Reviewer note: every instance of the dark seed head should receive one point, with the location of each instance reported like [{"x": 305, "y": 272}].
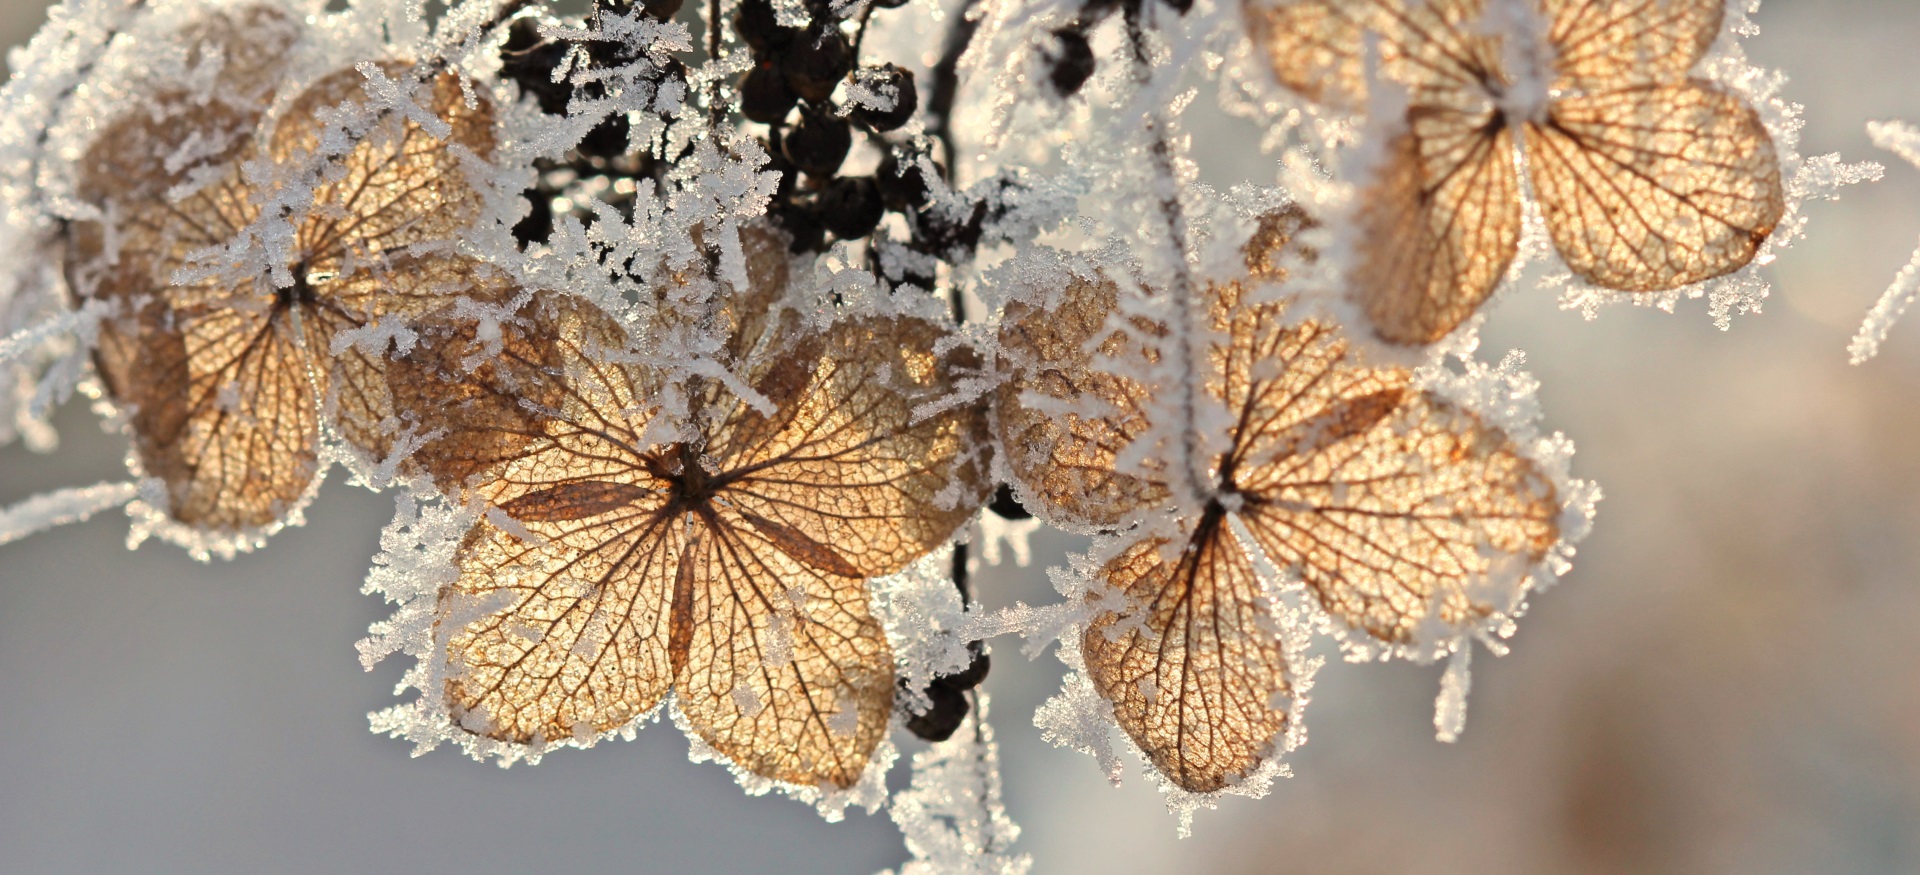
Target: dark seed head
[
  {"x": 764, "y": 95},
  {"x": 903, "y": 185},
  {"x": 819, "y": 143},
  {"x": 802, "y": 223},
  {"x": 851, "y": 207},
  {"x": 943, "y": 717},
  {"x": 759, "y": 26},
  {"x": 1070, "y": 63},
  {"x": 815, "y": 66},
  {"x": 889, "y": 80}
]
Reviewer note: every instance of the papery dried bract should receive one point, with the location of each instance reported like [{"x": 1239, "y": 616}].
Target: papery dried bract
[
  {"x": 731, "y": 569},
  {"x": 1410, "y": 521},
  {"x": 1649, "y": 179},
  {"x": 226, "y": 375}
]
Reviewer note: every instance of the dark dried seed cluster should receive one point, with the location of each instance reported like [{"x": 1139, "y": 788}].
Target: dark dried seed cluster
[
  {"x": 1069, "y": 58},
  {"x": 603, "y": 164},
  {"x": 796, "y": 72}
]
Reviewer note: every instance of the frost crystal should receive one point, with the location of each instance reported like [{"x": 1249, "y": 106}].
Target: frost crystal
[{"x": 1903, "y": 140}]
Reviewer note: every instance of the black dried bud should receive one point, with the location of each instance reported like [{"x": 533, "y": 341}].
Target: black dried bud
[
  {"x": 819, "y": 143},
  {"x": 1070, "y": 62},
  {"x": 529, "y": 59},
  {"x": 607, "y": 139},
  {"x": 802, "y": 223},
  {"x": 759, "y": 26},
  {"x": 1180, "y": 6},
  {"x": 887, "y": 82},
  {"x": 1007, "y": 506},
  {"x": 947, "y": 697},
  {"x": 815, "y": 66},
  {"x": 764, "y": 95},
  {"x": 851, "y": 207},
  {"x": 947, "y": 709},
  {"x": 903, "y": 185}
]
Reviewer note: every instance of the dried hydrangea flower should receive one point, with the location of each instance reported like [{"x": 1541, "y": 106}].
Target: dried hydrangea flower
[
  {"x": 1403, "y": 514},
  {"x": 725, "y": 559},
  {"x": 1649, "y": 178},
  {"x": 227, "y": 379}
]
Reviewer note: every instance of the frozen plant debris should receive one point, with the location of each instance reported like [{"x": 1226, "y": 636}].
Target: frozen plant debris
[{"x": 1904, "y": 140}]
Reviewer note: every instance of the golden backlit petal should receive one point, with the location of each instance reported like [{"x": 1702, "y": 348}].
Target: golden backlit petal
[
  {"x": 844, "y": 462},
  {"x": 400, "y": 186},
  {"x": 1425, "y": 517},
  {"x": 1654, "y": 188},
  {"x": 1292, "y": 388},
  {"x": 1069, "y": 464},
  {"x": 784, "y": 669},
  {"x": 1194, "y": 664},
  {"x": 223, "y": 413},
  {"x": 1607, "y": 44},
  {"x": 418, "y": 295},
  {"x": 480, "y": 398},
  {"x": 1437, "y": 228},
  {"x": 565, "y": 636},
  {"x": 1319, "y": 48},
  {"x": 138, "y": 156}
]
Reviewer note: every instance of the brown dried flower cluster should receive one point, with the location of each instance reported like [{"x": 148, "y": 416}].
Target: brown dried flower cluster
[
  {"x": 228, "y": 379},
  {"x": 1649, "y": 178},
  {"x": 725, "y": 558},
  {"x": 1392, "y": 504}
]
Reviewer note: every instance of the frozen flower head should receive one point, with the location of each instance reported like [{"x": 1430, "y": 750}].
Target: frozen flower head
[
  {"x": 720, "y": 551},
  {"x": 231, "y": 286},
  {"x": 1410, "y": 519},
  {"x": 1649, "y": 177}
]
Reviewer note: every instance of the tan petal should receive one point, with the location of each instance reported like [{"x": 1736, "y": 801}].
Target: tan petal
[
  {"x": 400, "y": 186},
  {"x": 785, "y": 670},
  {"x": 1610, "y": 44},
  {"x": 1396, "y": 522},
  {"x": 1069, "y": 463},
  {"x": 1194, "y": 664},
  {"x": 1433, "y": 48},
  {"x": 566, "y": 636},
  {"x": 1653, "y": 188},
  {"x": 1437, "y": 228},
  {"x": 844, "y": 462}
]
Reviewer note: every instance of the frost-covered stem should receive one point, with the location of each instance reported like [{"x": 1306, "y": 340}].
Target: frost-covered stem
[
  {"x": 946, "y": 82},
  {"x": 1180, "y": 287},
  {"x": 716, "y": 109}
]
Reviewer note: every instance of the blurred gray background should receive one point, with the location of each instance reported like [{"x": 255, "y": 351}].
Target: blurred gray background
[{"x": 1728, "y": 681}]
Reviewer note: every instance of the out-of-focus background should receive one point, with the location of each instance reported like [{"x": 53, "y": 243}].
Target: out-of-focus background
[{"x": 1729, "y": 681}]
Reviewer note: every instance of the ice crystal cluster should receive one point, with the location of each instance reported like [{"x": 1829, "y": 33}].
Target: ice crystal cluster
[{"x": 702, "y": 348}]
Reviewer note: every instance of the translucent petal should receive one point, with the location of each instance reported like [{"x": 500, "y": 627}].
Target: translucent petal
[
  {"x": 1437, "y": 228},
  {"x": 1319, "y": 48},
  {"x": 1194, "y": 663},
  {"x": 1658, "y": 187},
  {"x": 1069, "y": 462},
  {"x": 1608, "y": 44}
]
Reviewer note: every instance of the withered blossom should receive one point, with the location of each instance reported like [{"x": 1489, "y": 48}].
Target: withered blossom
[
  {"x": 722, "y": 552},
  {"x": 1394, "y": 506},
  {"x": 227, "y": 379},
  {"x": 1649, "y": 177}
]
